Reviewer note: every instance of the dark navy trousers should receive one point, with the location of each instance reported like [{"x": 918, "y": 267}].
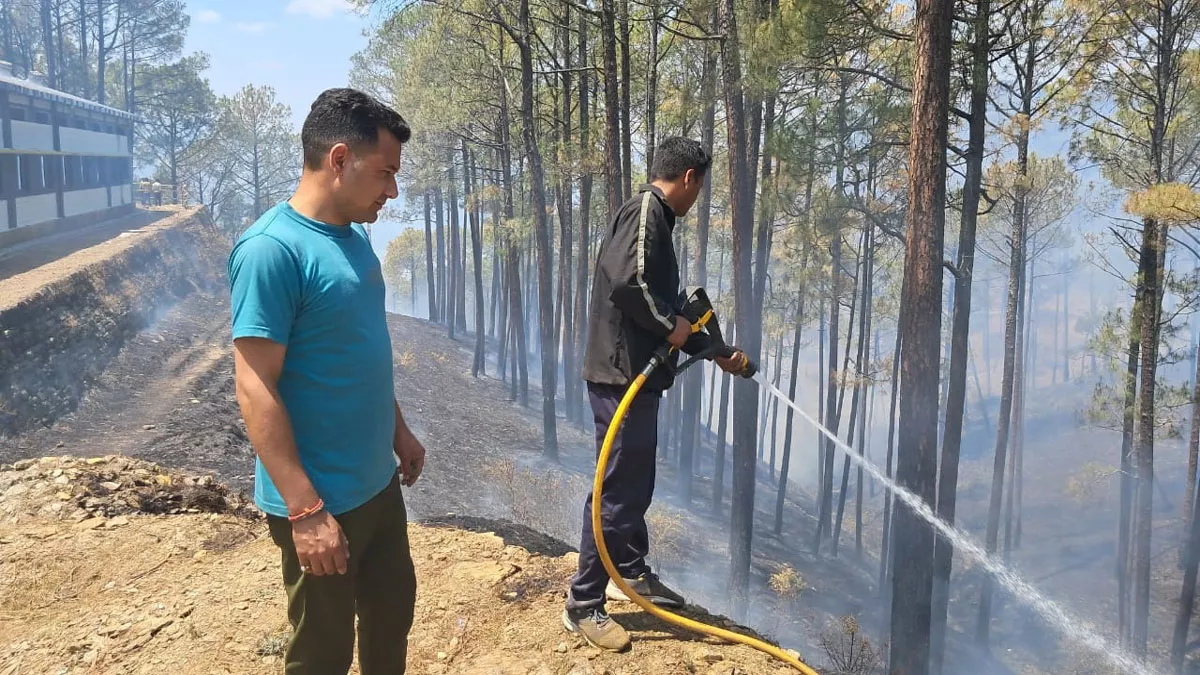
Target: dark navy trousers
[{"x": 628, "y": 491}]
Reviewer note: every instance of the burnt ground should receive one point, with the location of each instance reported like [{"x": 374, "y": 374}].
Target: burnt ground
[{"x": 169, "y": 398}]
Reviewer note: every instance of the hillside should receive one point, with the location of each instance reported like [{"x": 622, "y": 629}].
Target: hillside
[{"x": 114, "y": 565}]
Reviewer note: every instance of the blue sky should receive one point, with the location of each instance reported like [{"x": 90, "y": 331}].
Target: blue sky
[{"x": 299, "y": 47}]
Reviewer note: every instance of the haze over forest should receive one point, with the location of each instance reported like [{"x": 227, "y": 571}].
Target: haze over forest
[{"x": 960, "y": 234}]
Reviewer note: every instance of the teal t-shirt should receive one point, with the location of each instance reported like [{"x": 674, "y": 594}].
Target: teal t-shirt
[{"x": 318, "y": 289}]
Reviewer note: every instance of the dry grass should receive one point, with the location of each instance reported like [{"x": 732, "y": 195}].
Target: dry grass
[{"x": 33, "y": 582}]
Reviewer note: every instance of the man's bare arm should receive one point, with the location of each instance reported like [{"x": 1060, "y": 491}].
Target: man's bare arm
[
  {"x": 257, "y": 365},
  {"x": 408, "y": 449}
]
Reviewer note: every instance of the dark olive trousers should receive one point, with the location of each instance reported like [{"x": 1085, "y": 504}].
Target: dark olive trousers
[{"x": 380, "y": 587}]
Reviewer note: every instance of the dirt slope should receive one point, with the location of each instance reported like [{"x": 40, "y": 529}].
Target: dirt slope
[{"x": 92, "y": 583}]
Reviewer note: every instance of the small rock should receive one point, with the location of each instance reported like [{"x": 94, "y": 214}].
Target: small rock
[
  {"x": 118, "y": 521},
  {"x": 442, "y": 656},
  {"x": 561, "y": 648},
  {"x": 147, "y": 427},
  {"x": 16, "y": 490},
  {"x": 110, "y": 486},
  {"x": 93, "y": 461},
  {"x": 270, "y": 660},
  {"x": 62, "y": 480},
  {"x": 91, "y": 523}
]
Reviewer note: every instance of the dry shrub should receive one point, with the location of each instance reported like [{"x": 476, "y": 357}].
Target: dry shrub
[
  {"x": 1089, "y": 481},
  {"x": 666, "y": 537},
  {"x": 787, "y": 583},
  {"x": 274, "y": 643},
  {"x": 547, "y": 501},
  {"x": 848, "y": 649},
  {"x": 408, "y": 359}
]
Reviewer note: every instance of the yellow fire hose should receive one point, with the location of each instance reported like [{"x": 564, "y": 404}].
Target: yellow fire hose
[{"x": 598, "y": 532}]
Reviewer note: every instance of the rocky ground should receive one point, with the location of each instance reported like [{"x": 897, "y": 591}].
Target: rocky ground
[{"x": 115, "y": 565}]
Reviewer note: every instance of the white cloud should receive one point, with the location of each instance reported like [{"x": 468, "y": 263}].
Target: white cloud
[
  {"x": 208, "y": 16},
  {"x": 254, "y": 27},
  {"x": 318, "y": 9}
]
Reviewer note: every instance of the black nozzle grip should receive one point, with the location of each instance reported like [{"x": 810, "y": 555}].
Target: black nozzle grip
[{"x": 749, "y": 367}]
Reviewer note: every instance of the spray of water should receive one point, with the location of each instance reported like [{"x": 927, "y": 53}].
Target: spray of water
[{"x": 1075, "y": 628}]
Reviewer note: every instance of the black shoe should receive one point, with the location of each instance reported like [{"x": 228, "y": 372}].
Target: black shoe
[
  {"x": 597, "y": 627},
  {"x": 649, "y": 587}
]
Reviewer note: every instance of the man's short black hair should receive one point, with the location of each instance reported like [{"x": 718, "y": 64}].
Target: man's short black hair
[
  {"x": 349, "y": 116},
  {"x": 675, "y": 155}
]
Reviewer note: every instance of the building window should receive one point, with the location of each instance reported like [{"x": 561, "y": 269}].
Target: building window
[
  {"x": 48, "y": 171},
  {"x": 72, "y": 172},
  {"x": 29, "y": 174},
  {"x": 41, "y": 117},
  {"x": 17, "y": 113},
  {"x": 9, "y": 175}
]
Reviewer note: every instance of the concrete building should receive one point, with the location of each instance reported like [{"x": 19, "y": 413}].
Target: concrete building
[{"x": 65, "y": 161}]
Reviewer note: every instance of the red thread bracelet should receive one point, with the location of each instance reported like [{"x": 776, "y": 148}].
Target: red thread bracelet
[{"x": 310, "y": 511}]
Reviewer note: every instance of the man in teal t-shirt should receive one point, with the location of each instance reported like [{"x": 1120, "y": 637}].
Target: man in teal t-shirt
[{"x": 313, "y": 365}]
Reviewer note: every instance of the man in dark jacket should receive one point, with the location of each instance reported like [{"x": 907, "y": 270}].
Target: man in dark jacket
[{"x": 635, "y": 307}]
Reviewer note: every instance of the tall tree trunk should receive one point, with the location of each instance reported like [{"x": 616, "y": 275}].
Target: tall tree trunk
[
  {"x": 48, "y": 44},
  {"x": 612, "y": 111},
  {"x": 430, "y": 278},
  {"x": 1189, "y": 494},
  {"x": 722, "y": 433},
  {"x": 479, "y": 366},
  {"x": 565, "y": 205},
  {"x": 749, "y": 328},
  {"x": 832, "y": 410},
  {"x": 885, "y": 547},
  {"x": 585, "y": 214},
  {"x": 867, "y": 387},
  {"x": 1187, "y": 595},
  {"x": 651, "y": 87},
  {"x": 1150, "y": 264},
  {"x": 517, "y": 327},
  {"x": 694, "y": 386},
  {"x": 1016, "y": 278},
  {"x": 6, "y": 17},
  {"x": 916, "y": 470},
  {"x": 545, "y": 255},
  {"x": 102, "y": 63},
  {"x": 1066, "y": 323},
  {"x": 1125, "y": 517},
  {"x": 455, "y": 251},
  {"x": 439, "y": 220},
  {"x": 626, "y": 84},
  {"x": 781, "y": 494},
  {"x": 858, "y": 397},
  {"x": 1020, "y": 377},
  {"x": 943, "y": 554}
]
